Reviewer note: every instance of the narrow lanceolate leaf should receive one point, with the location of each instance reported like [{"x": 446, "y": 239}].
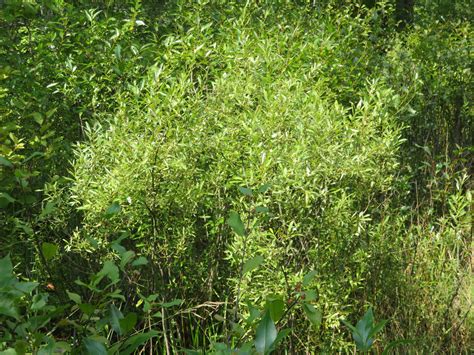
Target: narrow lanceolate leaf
[
  {"x": 252, "y": 263},
  {"x": 266, "y": 334},
  {"x": 236, "y": 224}
]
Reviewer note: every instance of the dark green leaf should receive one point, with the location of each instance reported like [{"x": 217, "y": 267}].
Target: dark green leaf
[
  {"x": 87, "y": 308},
  {"x": 310, "y": 295},
  {"x": 275, "y": 306},
  {"x": 173, "y": 303},
  {"x": 308, "y": 278},
  {"x": 94, "y": 347},
  {"x": 264, "y": 188},
  {"x": 261, "y": 209},
  {"x": 266, "y": 334},
  {"x": 128, "y": 322},
  {"x": 314, "y": 315},
  {"x": 26, "y": 287},
  {"x": 5, "y": 162},
  {"x": 125, "y": 258},
  {"x": 6, "y": 270},
  {"x": 245, "y": 191},
  {"x": 236, "y": 224},
  {"x": 135, "y": 341},
  {"x": 115, "y": 316},
  {"x": 49, "y": 250},
  {"x": 113, "y": 209},
  {"x": 8, "y": 308}
]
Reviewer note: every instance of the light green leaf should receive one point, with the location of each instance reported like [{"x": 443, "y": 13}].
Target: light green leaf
[
  {"x": 140, "y": 261},
  {"x": 266, "y": 334},
  {"x": 109, "y": 270},
  {"x": 252, "y": 263},
  {"x": 74, "y": 297},
  {"x": 38, "y": 117},
  {"x": 261, "y": 209}
]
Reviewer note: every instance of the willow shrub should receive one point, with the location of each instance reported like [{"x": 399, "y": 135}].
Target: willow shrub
[
  {"x": 311, "y": 103},
  {"x": 268, "y": 98}
]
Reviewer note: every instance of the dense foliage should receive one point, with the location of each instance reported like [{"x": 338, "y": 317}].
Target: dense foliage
[{"x": 217, "y": 176}]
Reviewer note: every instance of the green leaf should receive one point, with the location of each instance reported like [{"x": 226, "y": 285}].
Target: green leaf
[
  {"x": 140, "y": 261},
  {"x": 5, "y": 199},
  {"x": 110, "y": 270},
  {"x": 308, "y": 278},
  {"x": 6, "y": 271},
  {"x": 310, "y": 295},
  {"x": 135, "y": 341},
  {"x": 8, "y": 308},
  {"x": 252, "y": 264},
  {"x": 5, "y": 162},
  {"x": 377, "y": 328},
  {"x": 118, "y": 52},
  {"x": 173, "y": 303},
  {"x": 115, "y": 316},
  {"x": 275, "y": 306},
  {"x": 266, "y": 334},
  {"x": 26, "y": 287},
  {"x": 9, "y": 351},
  {"x": 246, "y": 191},
  {"x": 282, "y": 334},
  {"x": 39, "y": 301},
  {"x": 113, "y": 209},
  {"x": 314, "y": 315},
  {"x": 264, "y": 188},
  {"x": 125, "y": 258},
  {"x": 74, "y": 297},
  {"x": 236, "y": 224},
  {"x": 87, "y": 308},
  {"x": 261, "y": 209},
  {"x": 94, "y": 347},
  {"x": 38, "y": 117},
  {"x": 49, "y": 250},
  {"x": 128, "y": 322},
  {"x": 48, "y": 209}
]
